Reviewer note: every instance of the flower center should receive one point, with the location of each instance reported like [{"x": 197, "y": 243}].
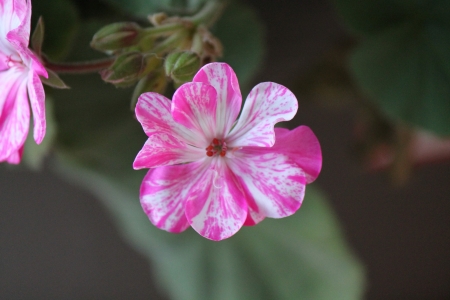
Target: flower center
[{"x": 216, "y": 147}]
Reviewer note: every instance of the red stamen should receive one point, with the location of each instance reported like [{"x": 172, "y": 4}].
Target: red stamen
[
  {"x": 209, "y": 153},
  {"x": 223, "y": 153},
  {"x": 216, "y": 142},
  {"x": 209, "y": 148}
]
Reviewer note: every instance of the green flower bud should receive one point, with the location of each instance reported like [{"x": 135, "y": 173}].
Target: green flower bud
[
  {"x": 116, "y": 36},
  {"x": 129, "y": 68},
  {"x": 182, "y": 66}
]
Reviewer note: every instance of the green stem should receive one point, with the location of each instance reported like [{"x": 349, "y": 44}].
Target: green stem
[
  {"x": 209, "y": 13},
  {"x": 79, "y": 67}
]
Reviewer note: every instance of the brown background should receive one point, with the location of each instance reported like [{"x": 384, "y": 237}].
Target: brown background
[{"x": 57, "y": 242}]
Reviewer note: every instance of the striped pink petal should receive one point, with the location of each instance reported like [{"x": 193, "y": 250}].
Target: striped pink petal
[
  {"x": 163, "y": 149},
  {"x": 216, "y": 207},
  {"x": 14, "y": 115},
  {"x": 153, "y": 111},
  {"x": 267, "y": 104},
  {"x": 194, "y": 106},
  {"x": 302, "y": 146},
  {"x": 222, "y": 77},
  {"x": 274, "y": 185},
  {"x": 163, "y": 194},
  {"x": 37, "y": 101}
]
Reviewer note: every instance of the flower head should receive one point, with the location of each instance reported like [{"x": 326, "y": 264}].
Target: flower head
[
  {"x": 214, "y": 173},
  {"x": 19, "y": 81}
]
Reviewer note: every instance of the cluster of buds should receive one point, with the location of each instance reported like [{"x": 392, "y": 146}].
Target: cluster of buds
[{"x": 171, "y": 49}]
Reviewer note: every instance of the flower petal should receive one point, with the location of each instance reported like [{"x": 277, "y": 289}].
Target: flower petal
[
  {"x": 267, "y": 104},
  {"x": 216, "y": 206},
  {"x": 14, "y": 114},
  {"x": 153, "y": 111},
  {"x": 37, "y": 101},
  {"x": 12, "y": 12},
  {"x": 302, "y": 146},
  {"x": 19, "y": 34},
  {"x": 164, "y": 149},
  {"x": 274, "y": 185},
  {"x": 194, "y": 106},
  {"x": 222, "y": 77},
  {"x": 163, "y": 194},
  {"x": 15, "y": 156}
]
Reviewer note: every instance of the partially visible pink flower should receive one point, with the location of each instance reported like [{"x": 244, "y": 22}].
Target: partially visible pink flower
[
  {"x": 19, "y": 81},
  {"x": 214, "y": 174}
]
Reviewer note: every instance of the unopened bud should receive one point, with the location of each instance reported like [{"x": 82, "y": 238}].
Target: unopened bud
[
  {"x": 116, "y": 36},
  {"x": 129, "y": 68},
  {"x": 182, "y": 66}
]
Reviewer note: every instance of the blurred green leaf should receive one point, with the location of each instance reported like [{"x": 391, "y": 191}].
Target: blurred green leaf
[
  {"x": 242, "y": 34},
  {"x": 61, "y": 22},
  {"x": 143, "y": 8},
  {"x": 372, "y": 16},
  {"x": 403, "y": 64}
]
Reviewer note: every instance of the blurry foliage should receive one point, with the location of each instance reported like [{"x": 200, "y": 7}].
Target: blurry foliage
[
  {"x": 143, "y": 8},
  {"x": 61, "y": 20},
  {"x": 403, "y": 60}
]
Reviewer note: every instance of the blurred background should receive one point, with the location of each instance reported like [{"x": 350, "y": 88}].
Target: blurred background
[{"x": 59, "y": 242}]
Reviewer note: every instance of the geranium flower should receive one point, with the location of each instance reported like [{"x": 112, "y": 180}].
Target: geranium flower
[
  {"x": 19, "y": 81},
  {"x": 213, "y": 173}
]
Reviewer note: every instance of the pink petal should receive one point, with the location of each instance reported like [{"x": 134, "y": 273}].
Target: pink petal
[
  {"x": 13, "y": 12},
  {"x": 15, "y": 157},
  {"x": 302, "y": 146},
  {"x": 267, "y": 104},
  {"x": 14, "y": 115},
  {"x": 163, "y": 149},
  {"x": 19, "y": 34},
  {"x": 164, "y": 192},
  {"x": 216, "y": 207},
  {"x": 274, "y": 185},
  {"x": 222, "y": 77},
  {"x": 153, "y": 111},
  {"x": 194, "y": 106},
  {"x": 37, "y": 101}
]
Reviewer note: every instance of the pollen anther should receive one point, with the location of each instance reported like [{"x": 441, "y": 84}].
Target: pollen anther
[{"x": 217, "y": 147}]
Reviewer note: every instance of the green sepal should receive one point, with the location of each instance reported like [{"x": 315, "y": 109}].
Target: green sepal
[
  {"x": 54, "y": 80},
  {"x": 37, "y": 38}
]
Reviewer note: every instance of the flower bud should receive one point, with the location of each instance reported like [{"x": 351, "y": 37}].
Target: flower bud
[
  {"x": 182, "y": 66},
  {"x": 116, "y": 36},
  {"x": 129, "y": 68}
]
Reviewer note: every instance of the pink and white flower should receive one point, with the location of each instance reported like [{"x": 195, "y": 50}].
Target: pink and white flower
[
  {"x": 214, "y": 174},
  {"x": 19, "y": 81}
]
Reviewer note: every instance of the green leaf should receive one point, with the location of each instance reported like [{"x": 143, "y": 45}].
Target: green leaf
[
  {"x": 61, "y": 19},
  {"x": 406, "y": 71},
  {"x": 242, "y": 34}
]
